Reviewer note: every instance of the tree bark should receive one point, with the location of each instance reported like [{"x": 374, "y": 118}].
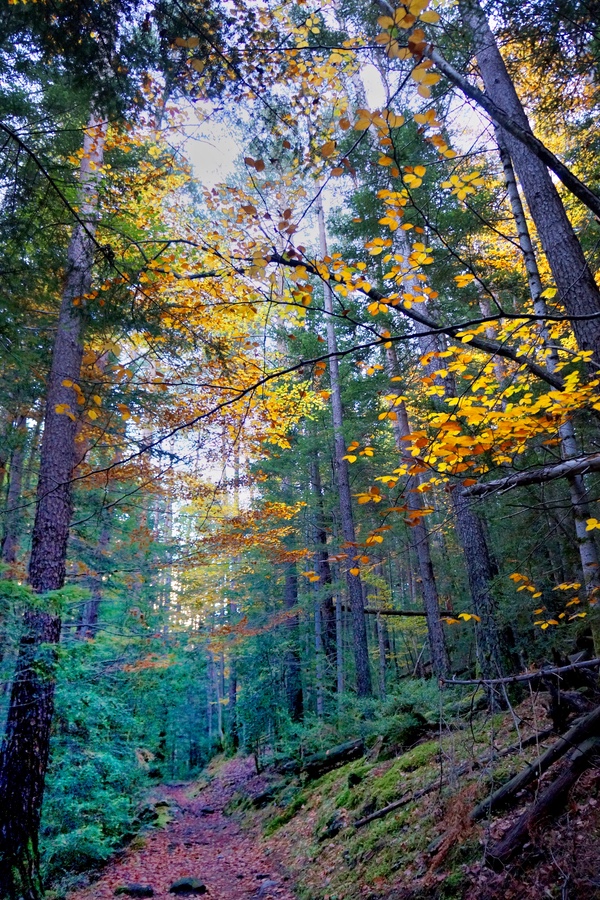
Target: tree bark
[
  {"x": 15, "y": 478},
  {"x": 291, "y": 660},
  {"x": 479, "y": 563},
  {"x": 328, "y": 633},
  {"x": 364, "y": 686},
  {"x": 89, "y": 617},
  {"x": 418, "y": 536},
  {"x": 573, "y": 277},
  {"x": 24, "y": 754}
]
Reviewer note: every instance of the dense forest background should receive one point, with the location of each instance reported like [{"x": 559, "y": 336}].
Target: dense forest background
[{"x": 282, "y": 457}]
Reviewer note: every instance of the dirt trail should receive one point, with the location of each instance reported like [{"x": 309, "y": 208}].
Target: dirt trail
[{"x": 201, "y": 842}]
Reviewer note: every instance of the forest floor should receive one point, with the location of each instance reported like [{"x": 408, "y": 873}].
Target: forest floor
[
  {"x": 200, "y": 842},
  {"x": 289, "y": 838}
]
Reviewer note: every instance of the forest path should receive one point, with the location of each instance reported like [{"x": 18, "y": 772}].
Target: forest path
[{"x": 201, "y": 843}]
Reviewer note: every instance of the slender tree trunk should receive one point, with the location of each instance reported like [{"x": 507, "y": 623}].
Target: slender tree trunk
[
  {"x": 364, "y": 686},
  {"x": 573, "y": 277},
  {"x": 24, "y": 755},
  {"x": 382, "y": 659},
  {"x": 479, "y": 562},
  {"x": 323, "y": 568},
  {"x": 13, "y": 514},
  {"x": 319, "y": 662},
  {"x": 292, "y": 662},
  {"x": 339, "y": 646},
  {"x": 89, "y": 615},
  {"x": 418, "y": 536},
  {"x": 234, "y": 736}
]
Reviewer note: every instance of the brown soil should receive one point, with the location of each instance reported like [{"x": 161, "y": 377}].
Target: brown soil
[{"x": 209, "y": 846}]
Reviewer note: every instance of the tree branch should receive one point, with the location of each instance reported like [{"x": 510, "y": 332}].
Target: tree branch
[{"x": 580, "y": 465}]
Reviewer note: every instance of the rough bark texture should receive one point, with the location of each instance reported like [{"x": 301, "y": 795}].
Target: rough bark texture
[
  {"x": 573, "y": 277},
  {"x": 481, "y": 571},
  {"x": 364, "y": 686},
  {"x": 291, "y": 660},
  {"x": 590, "y": 563},
  {"x": 418, "y": 536},
  {"x": 328, "y": 632},
  {"x": 24, "y": 755}
]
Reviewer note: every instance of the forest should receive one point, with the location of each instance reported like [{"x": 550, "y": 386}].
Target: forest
[{"x": 300, "y": 462}]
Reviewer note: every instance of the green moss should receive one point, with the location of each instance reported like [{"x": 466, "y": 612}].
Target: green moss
[
  {"x": 287, "y": 815},
  {"x": 419, "y": 756}
]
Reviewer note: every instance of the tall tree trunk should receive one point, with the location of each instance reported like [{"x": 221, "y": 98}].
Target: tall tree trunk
[
  {"x": 339, "y": 646},
  {"x": 576, "y": 285},
  {"x": 24, "y": 754},
  {"x": 292, "y": 661},
  {"x": 89, "y": 615},
  {"x": 322, "y": 560},
  {"x": 588, "y": 553},
  {"x": 479, "y": 563},
  {"x": 418, "y": 536},
  {"x": 234, "y": 736},
  {"x": 364, "y": 686},
  {"x": 15, "y": 478}
]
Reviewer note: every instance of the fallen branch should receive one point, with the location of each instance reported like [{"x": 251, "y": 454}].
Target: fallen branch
[
  {"x": 550, "y": 802},
  {"x": 566, "y": 469},
  {"x": 462, "y": 770},
  {"x": 374, "y": 611},
  {"x": 586, "y": 727},
  {"x": 528, "y": 676}
]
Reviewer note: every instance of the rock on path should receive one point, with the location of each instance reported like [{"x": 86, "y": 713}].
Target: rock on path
[{"x": 200, "y": 844}]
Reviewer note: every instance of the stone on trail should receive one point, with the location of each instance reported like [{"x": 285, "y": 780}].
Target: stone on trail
[
  {"x": 135, "y": 890},
  {"x": 188, "y": 886},
  {"x": 265, "y": 889}
]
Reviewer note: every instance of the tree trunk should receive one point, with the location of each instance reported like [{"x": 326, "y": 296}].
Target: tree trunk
[
  {"x": 480, "y": 566},
  {"x": 234, "y": 736},
  {"x": 328, "y": 633},
  {"x": 13, "y": 514},
  {"x": 89, "y": 615},
  {"x": 24, "y": 755},
  {"x": 588, "y": 554},
  {"x": 339, "y": 646},
  {"x": 576, "y": 285},
  {"x": 364, "y": 686},
  {"x": 418, "y": 536},
  {"x": 291, "y": 660}
]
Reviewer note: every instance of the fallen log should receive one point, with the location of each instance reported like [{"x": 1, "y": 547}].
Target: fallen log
[
  {"x": 527, "y": 676},
  {"x": 549, "y": 803},
  {"x": 462, "y": 770},
  {"x": 318, "y": 764},
  {"x": 585, "y": 727}
]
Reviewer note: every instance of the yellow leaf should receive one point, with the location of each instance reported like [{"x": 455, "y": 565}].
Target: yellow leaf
[
  {"x": 351, "y": 458},
  {"x": 97, "y": 400},
  {"x": 355, "y": 571},
  {"x": 92, "y": 414},
  {"x": 549, "y": 293},
  {"x": 419, "y": 170},
  {"x": 430, "y": 17}
]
